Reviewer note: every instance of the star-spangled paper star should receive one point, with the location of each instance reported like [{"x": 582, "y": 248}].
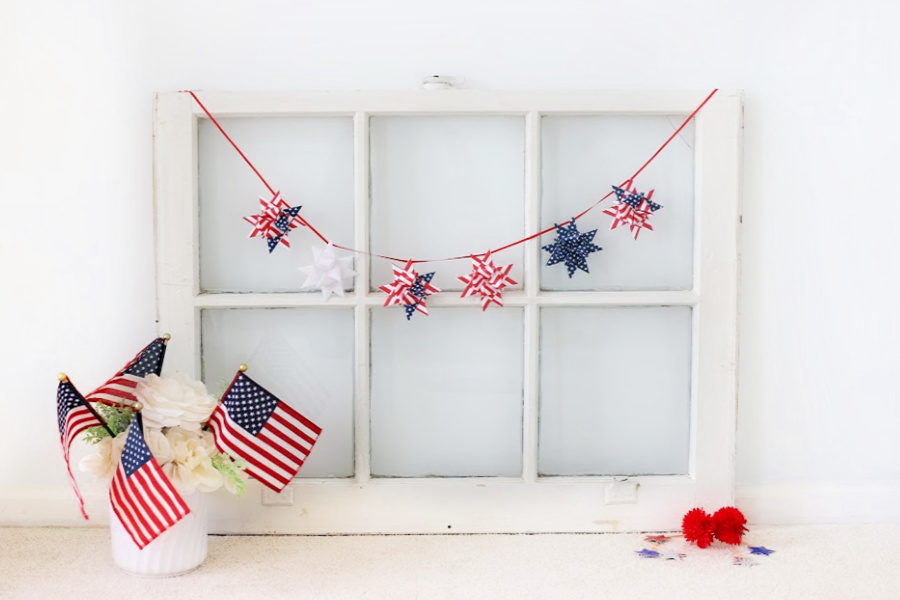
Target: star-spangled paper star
[
  {"x": 760, "y": 550},
  {"x": 274, "y": 221},
  {"x": 745, "y": 561},
  {"x": 571, "y": 247},
  {"x": 633, "y": 210},
  {"x": 409, "y": 289},
  {"x": 486, "y": 280},
  {"x": 328, "y": 271},
  {"x": 645, "y": 553}
]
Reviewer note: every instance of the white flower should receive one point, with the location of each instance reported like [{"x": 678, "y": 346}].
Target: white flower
[
  {"x": 102, "y": 463},
  {"x": 159, "y": 446},
  {"x": 191, "y": 468},
  {"x": 174, "y": 402}
]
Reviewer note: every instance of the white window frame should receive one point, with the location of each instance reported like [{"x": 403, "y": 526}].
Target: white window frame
[{"x": 529, "y": 503}]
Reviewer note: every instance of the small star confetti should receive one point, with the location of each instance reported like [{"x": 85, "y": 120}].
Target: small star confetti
[
  {"x": 328, "y": 271},
  {"x": 486, "y": 280},
  {"x": 645, "y": 553},
  {"x": 745, "y": 561},
  {"x": 658, "y": 539},
  {"x": 760, "y": 550},
  {"x": 673, "y": 555},
  {"x": 409, "y": 289},
  {"x": 633, "y": 209},
  {"x": 571, "y": 247}
]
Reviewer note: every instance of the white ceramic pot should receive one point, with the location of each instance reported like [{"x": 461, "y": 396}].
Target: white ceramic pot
[{"x": 178, "y": 550}]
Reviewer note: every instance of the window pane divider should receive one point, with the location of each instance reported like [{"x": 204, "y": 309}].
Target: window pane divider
[
  {"x": 531, "y": 326},
  {"x": 362, "y": 320},
  {"x": 451, "y": 298}
]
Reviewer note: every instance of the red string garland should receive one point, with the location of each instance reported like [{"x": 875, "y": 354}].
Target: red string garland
[{"x": 324, "y": 239}]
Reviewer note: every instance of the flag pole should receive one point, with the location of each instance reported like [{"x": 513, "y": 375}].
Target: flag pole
[{"x": 63, "y": 378}]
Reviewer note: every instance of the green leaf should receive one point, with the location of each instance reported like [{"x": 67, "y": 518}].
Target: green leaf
[{"x": 232, "y": 469}]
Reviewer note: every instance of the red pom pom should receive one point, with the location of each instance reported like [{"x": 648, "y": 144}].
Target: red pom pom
[
  {"x": 729, "y": 524},
  {"x": 698, "y": 527}
]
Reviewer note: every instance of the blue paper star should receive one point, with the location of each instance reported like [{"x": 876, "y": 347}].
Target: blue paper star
[
  {"x": 571, "y": 247},
  {"x": 284, "y": 222},
  {"x": 417, "y": 290},
  {"x": 647, "y": 553},
  {"x": 760, "y": 550}
]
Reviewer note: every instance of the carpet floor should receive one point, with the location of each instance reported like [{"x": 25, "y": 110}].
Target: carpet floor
[{"x": 817, "y": 562}]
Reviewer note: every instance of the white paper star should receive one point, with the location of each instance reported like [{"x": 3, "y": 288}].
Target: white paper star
[{"x": 328, "y": 271}]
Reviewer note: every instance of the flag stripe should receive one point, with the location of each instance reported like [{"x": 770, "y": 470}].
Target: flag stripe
[
  {"x": 80, "y": 419},
  {"x": 236, "y": 446},
  {"x": 284, "y": 429},
  {"x": 289, "y": 451},
  {"x": 117, "y": 391},
  {"x": 282, "y": 439},
  {"x": 174, "y": 503},
  {"x": 140, "y": 523},
  {"x": 289, "y": 413},
  {"x": 140, "y": 491},
  {"x": 122, "y": 505},
  {"x": 265, "y": 451},
  {"x": 75, "y": 487},
  {"x": 229, "y": 440}
]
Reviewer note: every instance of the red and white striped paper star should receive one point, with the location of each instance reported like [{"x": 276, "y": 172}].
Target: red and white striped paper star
[
  {"x": 409, "y": 289},
  {"x": 274, "y": 220},
  {"x": 487, "y": 280},
  {"x": 633, "y": 210}
]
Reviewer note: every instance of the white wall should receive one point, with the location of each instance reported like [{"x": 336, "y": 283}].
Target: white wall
[{"x": 819, "y": 408}]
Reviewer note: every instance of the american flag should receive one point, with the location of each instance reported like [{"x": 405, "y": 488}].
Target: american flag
[
  {"x": 74, "y": 416},
  {"x": 272, "y": 437},
  {"x": 140, "y": 493},
  {"x": 119, "y": 391}
]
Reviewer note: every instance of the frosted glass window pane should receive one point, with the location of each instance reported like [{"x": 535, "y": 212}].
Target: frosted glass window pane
[
  {"x": 615, "y": 391},
  {"x": 447, "y": 393},
  {"x": 303, "y": 356},
  {"x": 446, "y": 186},
  {"x": 310, "y": 160},
  {"x": 583, "y": 156}
]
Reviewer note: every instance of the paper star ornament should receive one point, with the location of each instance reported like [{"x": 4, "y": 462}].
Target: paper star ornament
[
  {"x": 645, "y": 553},
  {"x": 760, "y": 550},
  {"x": 633, "y": 209},
  {"x": 571, "y": 247},
  {"x": 486, "y": 280},
  {"x": 274, "y": 221},
  {"x": 328, "y": 271},
  {"x": 410, "y": 289}
]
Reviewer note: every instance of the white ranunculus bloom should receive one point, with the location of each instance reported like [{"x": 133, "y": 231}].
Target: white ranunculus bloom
[
  {"x": 174, "y": 402},
  {"x": 102, "y": 463},
  {"x": 159, "y": 446},
  {"x": 191, "y": 468}
]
